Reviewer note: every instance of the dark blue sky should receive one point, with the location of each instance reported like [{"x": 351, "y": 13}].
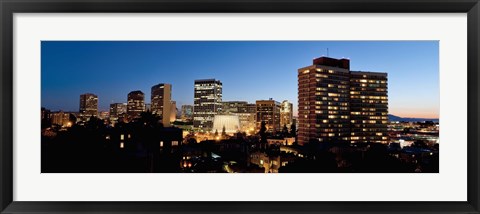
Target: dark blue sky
[{"x": 249, "y": 70}]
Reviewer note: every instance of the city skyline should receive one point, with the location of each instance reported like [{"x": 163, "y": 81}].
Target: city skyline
[{"x": 121, "y": 67}]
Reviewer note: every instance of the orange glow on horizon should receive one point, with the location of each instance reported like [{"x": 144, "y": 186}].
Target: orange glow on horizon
[{"x": 427, "y": 115}]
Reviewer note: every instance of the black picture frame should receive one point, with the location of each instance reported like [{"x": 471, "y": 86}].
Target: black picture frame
[{"x": 9, "y": 7}]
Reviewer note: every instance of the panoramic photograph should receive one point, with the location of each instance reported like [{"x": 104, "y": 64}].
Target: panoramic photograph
[{"x": 240, "y": 107}]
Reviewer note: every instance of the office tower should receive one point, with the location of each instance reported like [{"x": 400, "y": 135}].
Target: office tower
[
  {"x": 323, "y": 101},
  {"x": 327, "y": 90},
  {"x": 117, "y": 110},
  {"x": 88, "y": 106},
  {"x": 187, "y": 113},
  {"x": 269, "y": 112},
  {"x": 161, "y": 105},
  {"x": 368, "y": 107},
  {"x": 135, "y": 104},
  {"x": 207, "y": 103},
  {"x": 233, "y": 106},
  {"x": 286, "y": 114}
]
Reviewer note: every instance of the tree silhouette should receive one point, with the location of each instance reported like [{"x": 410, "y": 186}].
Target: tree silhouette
[
  {"x": 72, "y": 119},
  {"x": 263, "y": 135},
  {"x": 293, "y": 130},
  {"x": 285, "y": 130},
  {"x": 216, "y": 132},
  {"x": 150, "y": 120},
  {"x": 224, "y": 133}
]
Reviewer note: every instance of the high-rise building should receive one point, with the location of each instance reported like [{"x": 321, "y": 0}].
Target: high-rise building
[
  {"x": 117, "y": 110},
  {"x": 368, "y": 107},
  {"x": 326, "y": 92},
  {"x": 207, "y": 103},
  {"x": 88, "y": 106},
  {"x": 135, "y": 104},
  {"x": 268, "y": 111},
  {"x": 286, "y": 114},
  {"x": 187, "y": 113},
  {"x": 323, "y": 101},
  {"x": 161, "y": 102},
  {"x": 233, "y": 106}
]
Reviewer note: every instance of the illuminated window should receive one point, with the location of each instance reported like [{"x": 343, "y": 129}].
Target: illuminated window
[
  {"x": 161, "y": 143},
  {"x": 122, "y": 145},
  {"x": 174, "y": 143},
  {"x": 121, "y": 137}
]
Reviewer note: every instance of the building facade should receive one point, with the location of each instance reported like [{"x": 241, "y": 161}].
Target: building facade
[
  {"x": 327, "y": 90},
  {"x": 61, "y": 118},
  {"x": 135, "y": 104},
  {"x": 173, "y": 111},
  {"x": 88, "y": 106},
  {"x": 207, "y": 103},
  {"x": 161, "y": 102},
  {"x": 368, "y": 107},
  {"x": 117, "y": 110},
  {"x": 286, "y": 114},
  {"x": 269, "y": 112}
]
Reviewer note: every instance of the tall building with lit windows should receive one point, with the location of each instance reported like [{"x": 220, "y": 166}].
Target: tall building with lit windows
[
  {"x": 161, "y": 102},
  {"x": 88, "y": 106},
  {"x": 117, "y": 110},
  {"x": 207, "y": 102},
  {"x": 268, "y": 111},
  {"x": 286, "y": 114},
  {"x": 135, "y": 104},
  {"x": 368, "y": 107},
  {"x": 329, "y": 109}
]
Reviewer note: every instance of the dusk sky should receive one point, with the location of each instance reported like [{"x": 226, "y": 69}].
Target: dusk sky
[{"x": 248, "y": 70}]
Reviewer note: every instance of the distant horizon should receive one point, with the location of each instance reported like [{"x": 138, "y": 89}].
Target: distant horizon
[{"x": 249, "y": 71}]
